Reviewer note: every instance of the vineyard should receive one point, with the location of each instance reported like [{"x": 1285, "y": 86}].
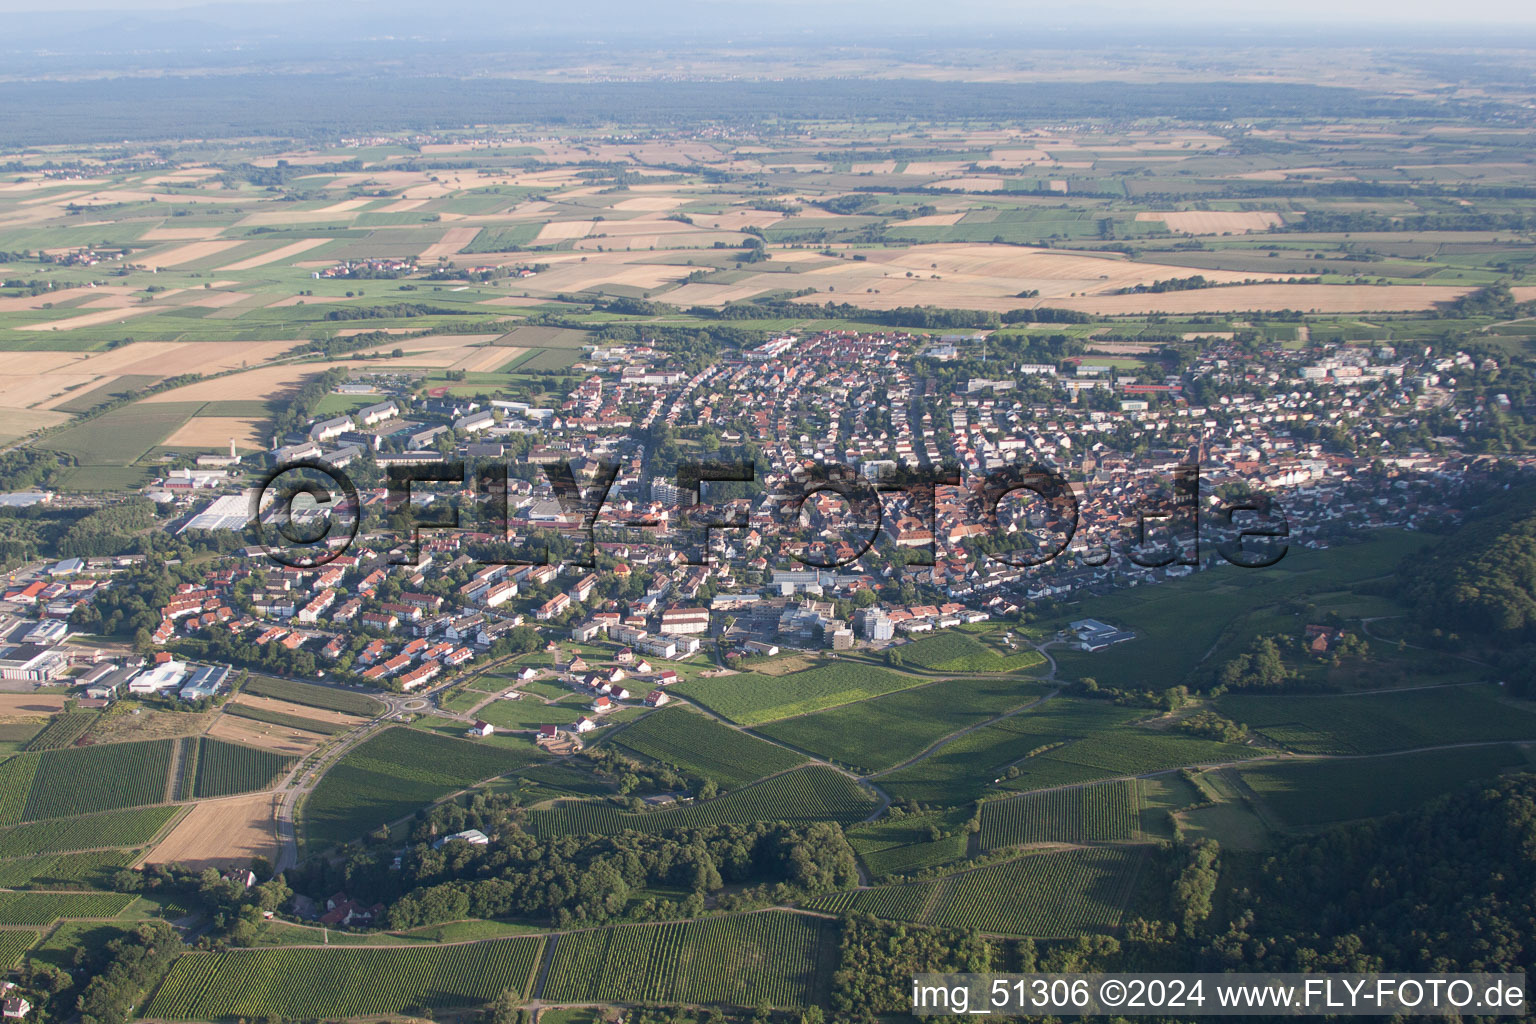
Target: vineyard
[
  {"x": 13, "y": 945},
  {"x": 16, "y": 776},
  {"x": 328, "y": 697},
  {"x": 307, "y": 984},
  {"x": 695, "y": 743},
  {"x": 63, "y": 729},
  {"x": 752, "y": 699},
  {"x": 92, "y": 869},
  {"x": 286, "y": 721},
  {"x": 903, "y": 844},
  {"x": 394, "y": 773},
  {"x": 879, "y": 733},
  {"x": 1043, "y": 895},
  {"x": 1310, "y": 794},
  {"x": 224, "y": 769},
  {"x": 84, "y": 780},
  {"x": 1100, "y": 813},
  {"x": 914, "y": 857},
  {"x": 1379, "y": 722},
  {"x": 88, "y": 832},
  {"x": 774, "y": 959},
  {"x": 813, "y": 793},
  {"x": 44, "y": 908}
]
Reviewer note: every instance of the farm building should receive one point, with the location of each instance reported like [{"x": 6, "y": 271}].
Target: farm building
[{"x": 1093, "y": 635}]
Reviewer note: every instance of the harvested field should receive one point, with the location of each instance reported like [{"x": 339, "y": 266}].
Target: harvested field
[
  {"x": 933, "y": 220},
  {"x": 49, "y": 379},
  {"x": 737, "y": 220},
  {"x": 277, "y": 738},
  {"x": 1322, "y": 298},
  {"x": 105, "y": 316},
  {"x": 973, "y": 183},
  {"x": 287, "y": 252},
  {"x": 180, "y": 234},
  {"x": 222, "y": 833},
  {"x": 488, "y": 359},
  {"x": 447, "y": 351},
  {"x": 650, "y": 204},
  {"x": 16, "y": 423},
  {"x": 573, "y": 275},
  {"x": 453, "y": 241},
  {"x": 344, "y": 210},
  {"x": 189, "y": 253},
  {"x": 1212, "y": 222},
  {"x": 269, "y": 382},
  {"x": 218, "y": 431},
  {"x": 22, "y": 390},
  {"x": 172, "y": 358},
  {"x": 16, "y": 303},
  {"x": 935, "y": 167},
  {"x": 30, "y": 705},
  {"x": 284, "y": 707},
  {"x": 561, "y": 230}
]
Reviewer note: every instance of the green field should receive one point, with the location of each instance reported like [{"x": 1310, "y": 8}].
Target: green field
[
  {"x": 1309, "y": 794},
  {"x": 394, "y": 773},
  {"x": 959, "y": 652},
  {"x": 338, "y": 983},
  {"x": 1378, "y": 722},
  {"x": 774, "y": 959},
  {"x": 695, "y": 743},
  {"x": 120, "y": 437},
  {"x": 1099, "y": 813},
  {"x": 812, "y": 793},
  {"x": 519, "y": 714},
  {"x": 752, "y": 698},
  {"x": 224, "y": 769},
  {"x": 85, "y": 832},
  {"x": 328, "y": 697},
  {"x": 44, "y": 908},
  {"x": 882, "y": 732},
  {"x": 1044, "y": 895},
  {"x": 14, "y": 736}
]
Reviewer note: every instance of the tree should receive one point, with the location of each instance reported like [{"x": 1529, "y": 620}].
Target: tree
[{"x": 506, "y": 1008}]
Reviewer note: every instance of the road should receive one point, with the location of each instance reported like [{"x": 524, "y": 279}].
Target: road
[{"x": 302, "y": 779}]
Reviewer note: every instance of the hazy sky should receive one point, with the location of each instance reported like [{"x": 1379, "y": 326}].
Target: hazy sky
[{"x": 1208, "y": 12}]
